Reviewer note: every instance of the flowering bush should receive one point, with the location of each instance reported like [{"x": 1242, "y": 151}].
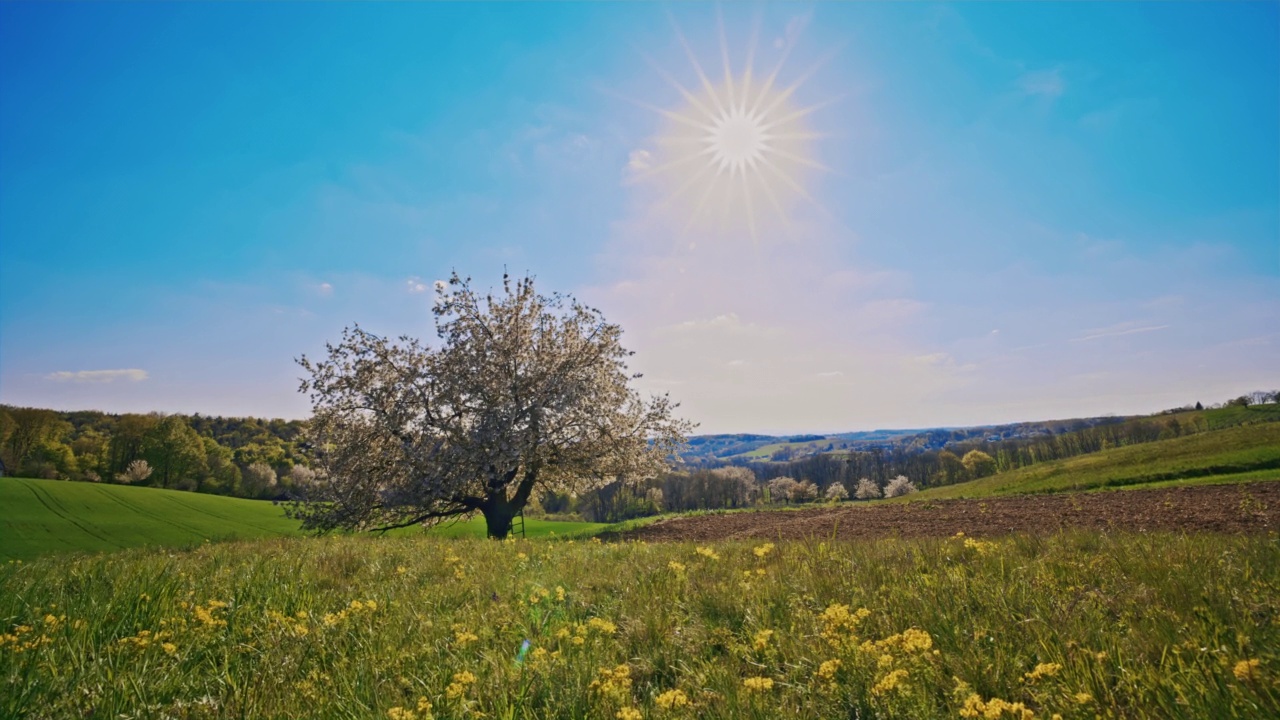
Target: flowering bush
[{"x": 899, "y": 486}]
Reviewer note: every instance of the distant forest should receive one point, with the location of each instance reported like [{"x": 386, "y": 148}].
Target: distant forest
[
  {"x": 268, "y": 459},
  {"x": 245, "y": 457}
]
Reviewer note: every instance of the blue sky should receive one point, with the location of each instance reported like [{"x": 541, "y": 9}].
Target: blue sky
[{"x": 1030, "y": 211}]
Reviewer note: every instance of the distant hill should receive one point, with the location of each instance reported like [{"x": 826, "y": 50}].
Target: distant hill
[{"x": 717, "y": 449}]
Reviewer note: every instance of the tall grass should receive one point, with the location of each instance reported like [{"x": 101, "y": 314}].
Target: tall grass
[{"x": 1080, "y": 625}]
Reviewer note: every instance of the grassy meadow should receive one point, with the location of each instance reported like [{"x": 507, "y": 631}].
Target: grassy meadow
[
  {"x": 38, "y": 517},
  {"x": 1236, "y": 454},
  {"x": 1073, "y": 625}
]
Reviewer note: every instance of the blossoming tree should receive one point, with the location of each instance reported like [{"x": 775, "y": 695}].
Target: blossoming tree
[{"x": 524, "y": 392}]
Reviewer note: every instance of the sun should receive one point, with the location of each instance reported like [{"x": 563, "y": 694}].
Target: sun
[{"x": 735, "y": 156}]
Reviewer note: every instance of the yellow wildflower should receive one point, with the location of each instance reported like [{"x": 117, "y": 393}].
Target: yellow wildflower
[
  {"x": 916, "y": 640},
  {"x": 169, "y": 648},
  {"x": 672, "y": 700},
  {"x": 763, "y": 550},
  {"x": 613, "y": 683},
  {"x": 559, "y": 594},
  {"x": 839, "y": 625},
  {"x": 761, "y": 640},
  {"x": 1083, "y": 698},
  {"x": 463, "y": 638},
  {"x": 424, "y": 707},
  {"x": 629, "y": 713},
  {"x": 982, "y": 547},
  {"x": 758, "y": 684},
  {"x": 677, "y": 568},
  {"x": 1042, "y": 670},
  {"x": 828, "y": 669},
  {"x": 994, "y": 709},
  {"x": 399, "y": 713},
  {"x": 602, "y": 626},
  {"x": 708, "y": 553},
  {"x": 892, "y": 681},
  {"x": 1246, "y": 670},
  {"x": 458, "y": 688}
]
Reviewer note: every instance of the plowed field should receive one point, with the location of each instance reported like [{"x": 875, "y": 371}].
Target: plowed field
[{"x": 1239, "y": 508}]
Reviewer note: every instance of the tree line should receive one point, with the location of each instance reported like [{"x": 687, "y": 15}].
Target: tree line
[
  {"x": 243, "y": 457},
  {"x": 879, "y": 471}
]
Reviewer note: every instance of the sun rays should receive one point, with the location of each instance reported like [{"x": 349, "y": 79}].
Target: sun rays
[{"x": 735, "y": 156}]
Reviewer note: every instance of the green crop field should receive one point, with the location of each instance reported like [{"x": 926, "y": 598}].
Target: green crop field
[
  {"x": 407, "y": 628},
  {"x": 40, "y": 516},
  {"x": 46, "y": 516},
  {"x": 1236, "y": 454}
]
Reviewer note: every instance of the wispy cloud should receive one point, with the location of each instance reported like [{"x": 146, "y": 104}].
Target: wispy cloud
[
  {"x": 97, "y": 376},
  {"x": 1117, "y": 332},
  {"x": 1043, "y": 83}
]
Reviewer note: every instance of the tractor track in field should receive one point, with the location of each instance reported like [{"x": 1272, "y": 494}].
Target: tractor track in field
[{"x": 1235, "y": 508}]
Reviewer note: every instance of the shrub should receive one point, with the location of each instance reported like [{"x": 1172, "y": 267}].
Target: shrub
[
  {"x": 867, "y": 489},
  {"x": 837, "y": 492},
  {"x": 780, "y": 489},
  {"x": 804, "y": 491},
  {"x": 899, "y": 486},
  {"x": 137, "y": 471}
]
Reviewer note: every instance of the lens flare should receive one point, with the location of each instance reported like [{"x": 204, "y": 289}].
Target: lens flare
[{"x": 736, "y": 154}]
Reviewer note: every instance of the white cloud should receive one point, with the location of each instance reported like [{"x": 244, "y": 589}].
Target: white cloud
[
  {"x": 325, "y": 289},
  {"x": 416, "y": 285},
  {"x": 1043, "y": 83},
  {"x": 97, "y": 376},
  {"x": 639, "y": 160},
  {"x": 1117, "y": 331}
]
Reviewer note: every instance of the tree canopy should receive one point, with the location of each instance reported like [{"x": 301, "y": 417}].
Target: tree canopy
[{"x": 524, "y": 392}]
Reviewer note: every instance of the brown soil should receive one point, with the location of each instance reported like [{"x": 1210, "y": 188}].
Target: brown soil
[{"x": 1239, "y": 508}]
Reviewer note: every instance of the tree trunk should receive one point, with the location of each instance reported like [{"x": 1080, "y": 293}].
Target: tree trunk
[{"x": 498, "y": 514}]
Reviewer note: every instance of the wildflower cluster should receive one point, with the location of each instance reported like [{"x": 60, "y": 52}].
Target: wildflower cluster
[
  {"x": 840, "y": 626},
  {"x": 981, "y": 547},
  {"x": 613, "y": 684},
  {"x": 296, "y": 625},
  {"x": 458, "y": 688},
  {"x": 758, "y": 684},
  {"x": 672, "y": 700},
  {"x": 208, "y": 614},
  {"x": 23, "y": 639},
  {"x": 421, "y": 711},
  {"x": 355, "y": 607}
]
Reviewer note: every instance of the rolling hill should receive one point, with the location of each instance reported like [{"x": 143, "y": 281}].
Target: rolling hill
[
  {"x": 39, "y": 517},
  {"x": 1234, "y": 454}
]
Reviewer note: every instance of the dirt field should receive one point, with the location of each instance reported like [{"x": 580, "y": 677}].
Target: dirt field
[{"x": 1241, "y": 508}]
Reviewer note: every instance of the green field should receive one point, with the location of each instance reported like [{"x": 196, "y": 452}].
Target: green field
[
  {"x": 1235, "y": 454},
  {"x": 49, "y": 516},
  {"x": 42, "y": 516},
  {"x": 1074, "y": 625}
]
